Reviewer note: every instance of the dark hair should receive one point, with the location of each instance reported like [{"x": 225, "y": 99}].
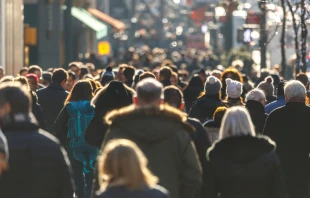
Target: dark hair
[
  {"x": 129, "y": 72},
  {"x": 303, "y": 78},
  {"x": 24, "y": 69},
  {"x": 84, "y": 71},
  {"x": 59, "y": 76},
  {"x": 16, "y": 96},
  {"x": 47, "y": 76},
  {"x": 82, "y": 90},
  {"x": 146, "y": 75},
  {"x": 173, "y": 96},
  {"x": 166, "y": 72},
  {"x": 72, "y": 75},
  {"x": 280, "y": 90},
  {"x": 32, "y": 69}
]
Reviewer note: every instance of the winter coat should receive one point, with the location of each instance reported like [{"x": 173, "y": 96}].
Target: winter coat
[
  {"x": 37, "y": 110},
  {"x": 52, "y": 100},
  {"x": 121, "y": 192},
  {"x": 270, "y": 99},
  {"x": 246, "y": 166},
  {"x": 278, "y": 103},
  {"x": 190, "y": 96},
  {"x": 204, "y": 108},
  {"x": 232, "y": 102},
  {"x": 289, "y": 127},
  {"x": 213, "y": 129},
  {"x": 164, "y": 137},
  {"x": 258, "y": 115},
  {"x": 202, "y": 144},
  {"x": 38, "y": 165}
]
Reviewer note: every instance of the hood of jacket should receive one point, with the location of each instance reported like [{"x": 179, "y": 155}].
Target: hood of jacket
[
  {"x": 18, "y": 122},
  {"x": 149, "y": 124},
  {"x": 240, "y": 150}
]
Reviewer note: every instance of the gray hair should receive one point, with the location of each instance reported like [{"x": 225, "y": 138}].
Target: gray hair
[
  {"x": 236, "y": 122},
  {"x": 294, "y": 89},
  {"x": 149, "y": 90},
  {"x": 255, "y": 94}
]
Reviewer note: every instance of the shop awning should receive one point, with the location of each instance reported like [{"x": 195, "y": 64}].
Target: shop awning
[
  {"x": 107, "y": 19},
  {"x": 85, "y": 17}
]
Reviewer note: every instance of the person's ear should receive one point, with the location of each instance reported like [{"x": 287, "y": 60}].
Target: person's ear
[
  {"x": 182, "y": 106},
  {"x": 5, "y": 109},
  {"x": 135, "y": 100}
]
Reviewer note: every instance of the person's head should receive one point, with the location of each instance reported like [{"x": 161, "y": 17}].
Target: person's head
[
  {"x": 82, "y": 90},
  {"x": 149, "y": 92},
  {"x": 231, "y": 73},
  {"x": 173, "y": 96},
  {"x": 76, "y": 68},
  {"x": 22, "y": 80},
  {"x": 294, "y": 90},
  {"x": 107, "y": 76},
  {"x": 1, "y": 72},
  {"x": 219, "y": 114},
  {"x": 4, "y": 153},
  {"x": 71, "y": 81},
  {"x": 236, "y": 122},
  {"x": 23, "y": 71},
  {"x": 202, "y": 74},
  {"x": 122, "y": 160},
  {"x": 60, "y": 76},
  {"x": 216, "y": 73},
  {"x": 233, "y": 89},
  {"x": 212, "y": 86},
  {"x": 46, "y": 78},
  {"x": 7, "y": 79},
  {"x": 35, "y": 69},
  {"x": 14, "y": 99},
  {"x": 174, "y": 79},
  {"x": 146, "y": 75},
  {"x": 165, "y": 73},
  {"x": 129, "y": 73},
  {"x": 83, "y": 71},
  {"x": 280, "y": 90},
  {"x": 267, "y": 86},
  {"x": 121, "y": 72},
  {"x": 256, "y": 95},
  {"x": 303, "y": 78},
  {"x": 33, "y": 81}
]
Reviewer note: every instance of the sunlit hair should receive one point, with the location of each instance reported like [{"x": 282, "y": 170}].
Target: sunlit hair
[
  {"x": 82, "y": 90},
  {"x": 23, "y": 81},
  {"x": 294, "y": 89},
  {"x": 122, "y": 160},
  {"x": 236, "y": 122}
]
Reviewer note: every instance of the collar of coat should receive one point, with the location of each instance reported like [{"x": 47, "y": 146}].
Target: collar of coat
[{"x": 134, "y": 111}]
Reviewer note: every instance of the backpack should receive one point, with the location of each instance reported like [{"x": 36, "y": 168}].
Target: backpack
[{"x": 80, "y": 115}]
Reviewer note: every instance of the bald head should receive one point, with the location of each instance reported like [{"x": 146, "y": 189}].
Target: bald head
[{"x": 149, "y": 92}]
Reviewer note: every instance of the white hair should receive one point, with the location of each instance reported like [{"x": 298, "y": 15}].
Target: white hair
[
  {"x": 255, "y": 94},
  {"x": 149, "y": 90},
  {"x": 236, "y": 122},
  {"x": 294, "y": 89}
]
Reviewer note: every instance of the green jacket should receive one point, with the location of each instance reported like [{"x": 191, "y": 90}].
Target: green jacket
[{"x": 164, "y": 137}]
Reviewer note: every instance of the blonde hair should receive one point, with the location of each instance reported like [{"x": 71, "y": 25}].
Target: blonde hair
[
  {"x": 236, "y": 122},
  {"x": 123, "y": 160}
]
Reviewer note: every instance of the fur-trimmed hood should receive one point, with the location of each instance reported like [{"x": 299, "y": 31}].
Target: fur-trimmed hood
[
  {"x": 241, "y": 149},
  {"x": 149, "y": 123}
]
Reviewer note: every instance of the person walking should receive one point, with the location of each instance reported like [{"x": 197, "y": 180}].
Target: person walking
[
  {"x": 289, "y": 127},
  {"x": 280, "y": 99},
  {"x": 123, "y": 173},
  {"x": 162, "y": 133},
  {"x": 38, "y": 165},
  {"x": 52, "y": 98},
  {"x": 243, "y": 165},
  {"x": 70, "y": 128},
  {"x": 268, "y": 87},
  {"x": 233, "y": 92},
  {"x": 213, "y": 126}
]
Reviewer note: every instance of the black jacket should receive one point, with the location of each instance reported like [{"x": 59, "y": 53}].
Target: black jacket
[
  {"x": 270, "y": 99},
  {"x": 38, "y": 165},
  {"x": 258, "y": 115},
  {"x": 204, "y": 108},
  {"x": 52, "y": 100},
  {"x": 289, "y": 127},
  {"x": 244, "y": 167}
]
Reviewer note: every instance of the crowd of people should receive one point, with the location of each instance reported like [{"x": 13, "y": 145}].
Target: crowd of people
[{"x": 172, "y": 128}]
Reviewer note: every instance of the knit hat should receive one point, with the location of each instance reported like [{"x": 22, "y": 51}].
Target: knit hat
[
  {"x": 267, "y": 86},
  {"x": 107, "y": 76},
  {"x": 213, "y": 85},
  {"x": 34, "y": 76},
  {"x": 234, "y": 88}
]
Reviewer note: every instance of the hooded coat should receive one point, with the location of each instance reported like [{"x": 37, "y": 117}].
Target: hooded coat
[
  {"x": 289, "y": 127},
  {"x": 164, "y": 137},
  {"x": 246, "y": 166},
  {"x": 258, "y": 115}
]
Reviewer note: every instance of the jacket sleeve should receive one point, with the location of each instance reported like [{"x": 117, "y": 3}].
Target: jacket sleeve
[
  {"x": 67, "y": 186},
  {"x": 37, "y": 111},
  {"x": 191, "y": 174},
  {"x": 61, "y": 126},
  {"x": 95, "y": 131},
  {"x": 194, "y": 112}
]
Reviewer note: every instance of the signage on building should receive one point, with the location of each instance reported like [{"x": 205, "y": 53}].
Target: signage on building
[
  {"x": 253, "y": 18},
  {"x": 104, "y": 48}
]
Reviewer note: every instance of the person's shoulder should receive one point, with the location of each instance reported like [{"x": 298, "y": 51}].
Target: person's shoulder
[
  {"x": 159, "y": 191},
  {"x": 47, "y": 138}
]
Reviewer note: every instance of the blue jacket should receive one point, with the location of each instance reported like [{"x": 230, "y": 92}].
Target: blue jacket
[{"x": 274, "y": 105}]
